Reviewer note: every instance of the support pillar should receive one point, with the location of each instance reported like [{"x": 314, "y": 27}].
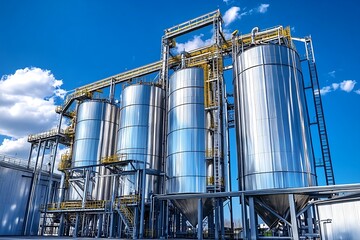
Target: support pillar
[
  {"x": 200, "y": 218},
  {"x": 222, "y": 221},
  {"x": 217, "y": 219},
  {"x": 244, "y": 221},
  {"x": 294, "y": 227},
  {"x": 112, "y": 211},
  {"x": 99, "y": 226},
  {"x": 253, "y": 219},
  {"x": 142, "y": 209},
  {"x": 61, "y": 225},
  {"x": 76, "y": 228}
]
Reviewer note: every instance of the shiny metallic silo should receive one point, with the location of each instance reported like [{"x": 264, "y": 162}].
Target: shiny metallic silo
[
  {"x": 140, "y": 136},
  {"x": 185, "y": 161},
  {"x": 95, "y": 138},
  {"x": 272, "y": 129}
]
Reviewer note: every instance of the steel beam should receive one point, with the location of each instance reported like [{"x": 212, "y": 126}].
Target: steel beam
[{"x": 294, "y": 227}]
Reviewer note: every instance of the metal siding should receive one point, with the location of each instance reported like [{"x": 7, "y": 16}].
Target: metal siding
[
  {"x": 15, "y": 189},
  {"x": 345, "y": 219}
]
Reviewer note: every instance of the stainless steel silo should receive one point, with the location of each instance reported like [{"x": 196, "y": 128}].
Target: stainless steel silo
[
  {"x": 95, "y": 138},
  {"x": 272, "y": 129},
  {"x": 140, "y": 135},
  {"x": 185, "y": 161}
]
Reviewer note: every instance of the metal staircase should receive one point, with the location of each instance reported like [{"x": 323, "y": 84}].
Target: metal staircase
[
  {"x": 320, "y": 120},
  {"x": 127, "y": 216}
]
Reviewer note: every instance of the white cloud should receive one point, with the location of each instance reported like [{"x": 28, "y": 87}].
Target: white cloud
[
  {"x": 293, "y": 30},
  {"x": 326, "y": 90},
  {"x": 332, "y": 74},
  {"x": 263, "y": 8},
  {"x": 194, "y": 43},
  {"x": 231, "y": 15},
  {"x": 335, "y": 86},
  {"x": 27, "y": 104},
  {"x": 347, "y": 85},
  {"x": 15, "y": 147}
]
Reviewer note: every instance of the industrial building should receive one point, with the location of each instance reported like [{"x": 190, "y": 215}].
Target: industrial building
[{"x": 151, "y": 158}]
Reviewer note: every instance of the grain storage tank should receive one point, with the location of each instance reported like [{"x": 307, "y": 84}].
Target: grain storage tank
[
  {"x": 95, "y": 138},
  {"x": 140, "y": 136},
  {"x": 185, "y": 161},
  {"x": 272, "y": 129}
]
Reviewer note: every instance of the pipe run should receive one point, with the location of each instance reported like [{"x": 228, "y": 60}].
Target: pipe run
[{"x": 253, "y": 34}]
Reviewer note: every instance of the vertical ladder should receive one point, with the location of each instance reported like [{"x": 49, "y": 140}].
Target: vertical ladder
[{"x": 320, "y": 120}]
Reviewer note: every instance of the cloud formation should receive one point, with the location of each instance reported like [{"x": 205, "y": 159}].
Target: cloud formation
[
  {"x": 194, "y": 43},
  {"x": 231, "y": 15},
  {"x": 332, "y": 73},
  {"x": 27, "y": 103},
  {"x": 346, "y": 86},
  {"x": 263, "y": 8}
]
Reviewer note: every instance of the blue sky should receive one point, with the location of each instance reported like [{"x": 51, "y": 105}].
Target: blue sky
[{"x": 79, "y": 42}]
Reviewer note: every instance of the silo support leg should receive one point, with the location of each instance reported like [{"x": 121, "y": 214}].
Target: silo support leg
[
  {"x": 244, "y": 216},
  {"x": 61, "y": 225},
  {"x": 216, "y": 219},
  {"x": 253, "y": 219},
  {"x": 76, "y": 225},
  {"x": 99, "y": 227},
  {"x": 294, "y": 228},
  {"x": 222, "y": 221},
  {"x": 200, "y": 218}
]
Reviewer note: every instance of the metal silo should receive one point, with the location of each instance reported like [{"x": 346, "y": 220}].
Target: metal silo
[
  {"x": 140, "y": 136},
  {"x": 272, "y": 129},
  {"x": 95, "y": 137},
  {"x": 185, "y": 161}
]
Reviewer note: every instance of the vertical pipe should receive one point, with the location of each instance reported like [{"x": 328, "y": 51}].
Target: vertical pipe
[
  {"x": 61, "y": 190},
  {"x": 200, "y": 218},
  {"x": 294, "y": 227},
  {"x": 253, "y": 220},
  {"x": 142, "y": 213},
  {"x": 86, "y": 184}
]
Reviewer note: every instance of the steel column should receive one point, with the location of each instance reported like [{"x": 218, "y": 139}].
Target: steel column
[
  {"x": 253, "y": 219},
  {"x": 294, "y": 227},
  {"x": 200, "y": 218},
  {"x": 75, "y": 233}
]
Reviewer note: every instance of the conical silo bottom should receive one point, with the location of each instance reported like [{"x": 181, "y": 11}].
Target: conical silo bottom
[
  {"x": 189, "y": 207},
  {"x": 279, "y": 204}
]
